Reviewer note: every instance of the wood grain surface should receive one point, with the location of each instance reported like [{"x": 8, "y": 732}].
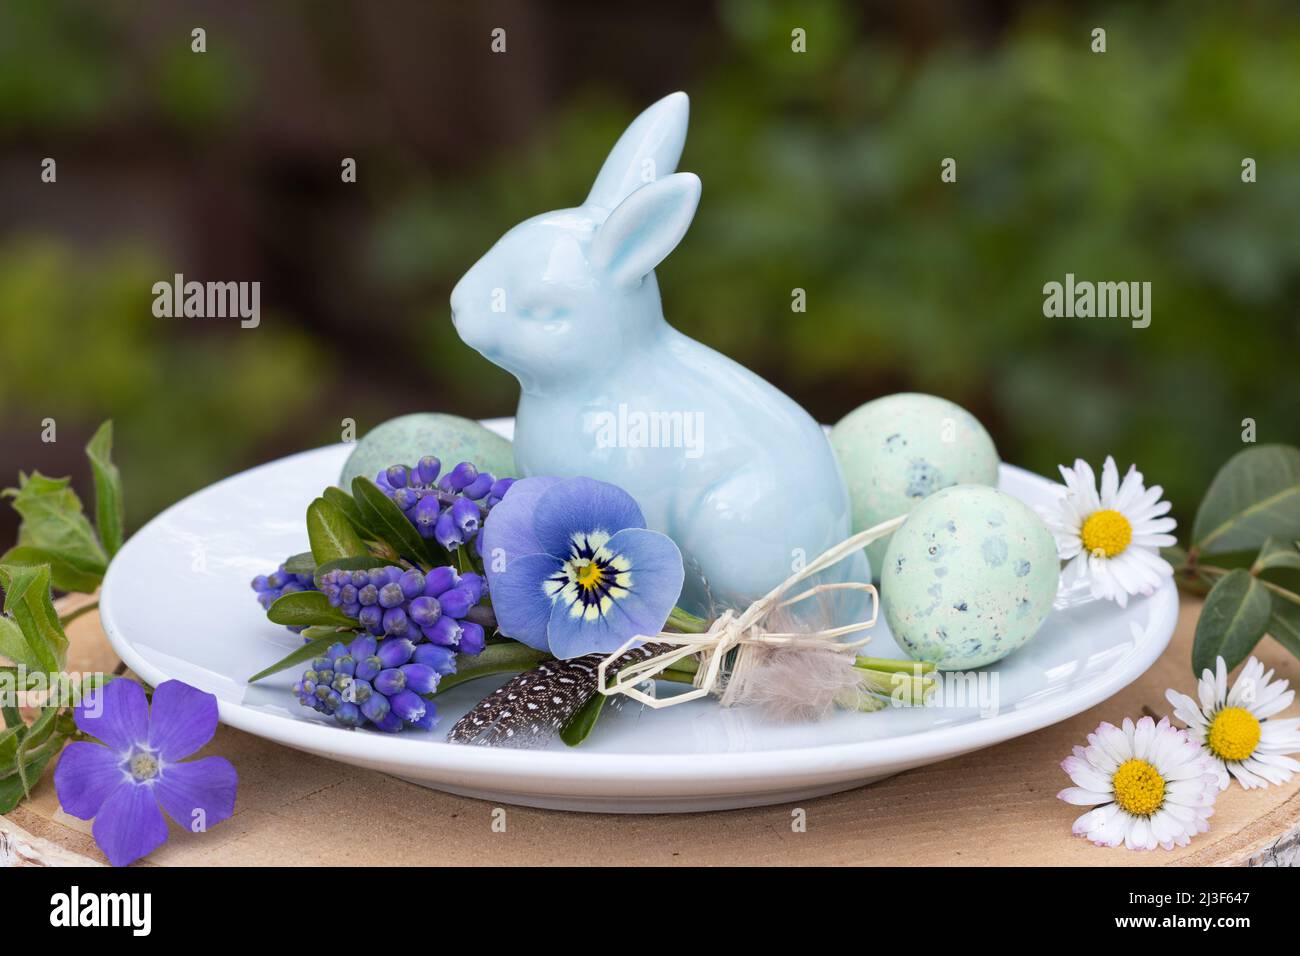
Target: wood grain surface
[{"x": 995, "y": 807}]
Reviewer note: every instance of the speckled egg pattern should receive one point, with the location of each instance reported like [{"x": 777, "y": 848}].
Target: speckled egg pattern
[
  {"x": 968, "y": 578},
  {"x": 407, "y": 439},
  {"x": 898, "y": 450}
]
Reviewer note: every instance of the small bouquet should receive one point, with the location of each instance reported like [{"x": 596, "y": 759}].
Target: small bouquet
[{"x": 419, "y": 581}]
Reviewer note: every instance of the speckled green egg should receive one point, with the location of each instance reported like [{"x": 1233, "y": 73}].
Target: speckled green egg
[
  {"x": 898, "y": 450},
  {"x": 407, "y": 439},
  {"x": 968, "y": 578}
]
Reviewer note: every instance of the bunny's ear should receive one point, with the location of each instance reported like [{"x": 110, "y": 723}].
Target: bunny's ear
[
  {"x": 645, "y": 227},
  {"x": 648, "y": 150}
]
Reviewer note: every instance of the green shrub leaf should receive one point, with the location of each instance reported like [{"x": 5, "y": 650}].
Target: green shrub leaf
[
  {"x": 1284, "y": 625},
  {"x": 52, "y": 521},
  {"x": 308, "y": 651},
  {"x": 43, "y": 645},
  {"x": 110, "y": 512},
  {"x": 302, "y": 563},
  {"x": 1255, "y": 495},
  {"x": 67, "y": 573},
  {"x": 1235, "y": 616},
  {"x": 583, "y": 722},
  {"x": 331, "y": 534},
  {"x": 1276, "y": 554},
  {"x": 347, "y": 504},
  {"x": 307, "y": 609},
  {"x": 385, "y": 521}
]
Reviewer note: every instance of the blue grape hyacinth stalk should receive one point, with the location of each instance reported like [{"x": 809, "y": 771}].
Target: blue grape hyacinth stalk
[
  {"x": 393, "y": 601},
  {"x": 416, "y": 623},
  {"x": 450, "y": 510},
  {"x": 384, "y": 683}
]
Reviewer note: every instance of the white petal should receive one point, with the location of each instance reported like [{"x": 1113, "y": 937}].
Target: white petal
[
  {"x": 1109, "y": 482},
  {"x": 1087, "y": 776}
]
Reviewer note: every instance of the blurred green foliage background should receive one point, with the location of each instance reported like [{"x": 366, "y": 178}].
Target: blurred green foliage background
[{"x": 820, "y": 170}]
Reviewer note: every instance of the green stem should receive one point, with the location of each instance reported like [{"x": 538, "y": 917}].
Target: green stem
[
  {"x": 1216, "y": 571},
  {"x": 71, "y": 616},
  {"x": 676, "y": 676},
  {"x": 892, "y": 665},
  {"x": 1280, "y": 591},
  {"x": 895, "y": 682},
  {"x": 685, "y": 622}
]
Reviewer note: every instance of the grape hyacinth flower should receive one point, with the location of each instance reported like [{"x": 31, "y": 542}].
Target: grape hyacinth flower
[
  {"x": 439, "y": 606},
  {"x": 574, "y": 570},
  {"x": 271, "y": 587},
  {"x": 140, "y": 767},
  {"x": 377, "y": 682},
  {"x": 450, "y": 510}
]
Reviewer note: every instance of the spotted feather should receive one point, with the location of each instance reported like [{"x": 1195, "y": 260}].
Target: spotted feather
[{"x": 532, "y": 707}]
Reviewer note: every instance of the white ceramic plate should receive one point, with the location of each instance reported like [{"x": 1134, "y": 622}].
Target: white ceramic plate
[{"x": 177, "y": 604}]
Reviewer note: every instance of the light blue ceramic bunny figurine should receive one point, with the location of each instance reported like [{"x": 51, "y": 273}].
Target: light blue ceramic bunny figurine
[{"x": 740, "y": 476}]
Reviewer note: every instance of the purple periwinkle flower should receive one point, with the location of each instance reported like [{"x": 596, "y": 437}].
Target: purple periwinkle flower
[
  {"x": 139, "y": 770},
  {"x": 574, "y": 569}
]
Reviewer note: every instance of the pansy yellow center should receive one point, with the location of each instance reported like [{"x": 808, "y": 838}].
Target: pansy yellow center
[
  {"x": 1139, "y": 788},
  {"x": 590, "y": 576},
  {"x": 1234, "y": 734},
  {"x": 144, "y": 766},
  {"x": 1106, "y": 533}
]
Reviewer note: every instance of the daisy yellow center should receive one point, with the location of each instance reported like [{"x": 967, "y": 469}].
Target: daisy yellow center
[
  {"x": 1234, "y": 734},
  {"x": 144, "y": 766},
  {"x": 1106, "y": 533},
  {"x": 590, "y": 576},
  {"x": 1139, "y": 788}
]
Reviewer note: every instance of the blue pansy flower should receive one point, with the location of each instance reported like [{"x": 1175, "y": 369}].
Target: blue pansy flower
[{"x": 572, "y": 569}]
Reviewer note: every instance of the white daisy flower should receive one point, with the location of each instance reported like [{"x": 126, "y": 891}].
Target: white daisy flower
[
  {"x": 1112, "y": 539},
  {"x": 1155, "y": 786},
  {"x": 1234, "y": 727}
]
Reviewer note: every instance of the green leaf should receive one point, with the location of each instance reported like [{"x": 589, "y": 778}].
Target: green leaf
[
  {"x": 66, "y": 574},
  {"x": 1284, "y": 625},
  {"x": 37, "y": 735},
  {"x": 307, "y": 652},
  {"x": 1277, "y": 554},
  {"x": 44, "y": 646},
  {"x": 582, "y": 723},
  {"x": 10, "y": 738},
  {"x": 30, "y": 765},
  {"x": 1234, "y": 618},
  {"x": 307, "y": 608},
  {"x": 25, "y": 751},
  {"x": 52, "y": 520},
  {"x": 318, "y": 631},
  {"x": 302, "y": 563},
  {"x": 361, "y": 563},
  {"x": 385, "y": 521},
  {"x": 13, "y": 719},
  {"x": 15, "y": 646},
  {"x": 110, "y": 512},
  {"x": 331, "y": 534},
  {"x": 347, "y": 504},
  {"x": 1255, "y": 495}
]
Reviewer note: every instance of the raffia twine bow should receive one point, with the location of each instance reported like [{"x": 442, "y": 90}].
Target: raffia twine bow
[{"x": 722, "y": 674}]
